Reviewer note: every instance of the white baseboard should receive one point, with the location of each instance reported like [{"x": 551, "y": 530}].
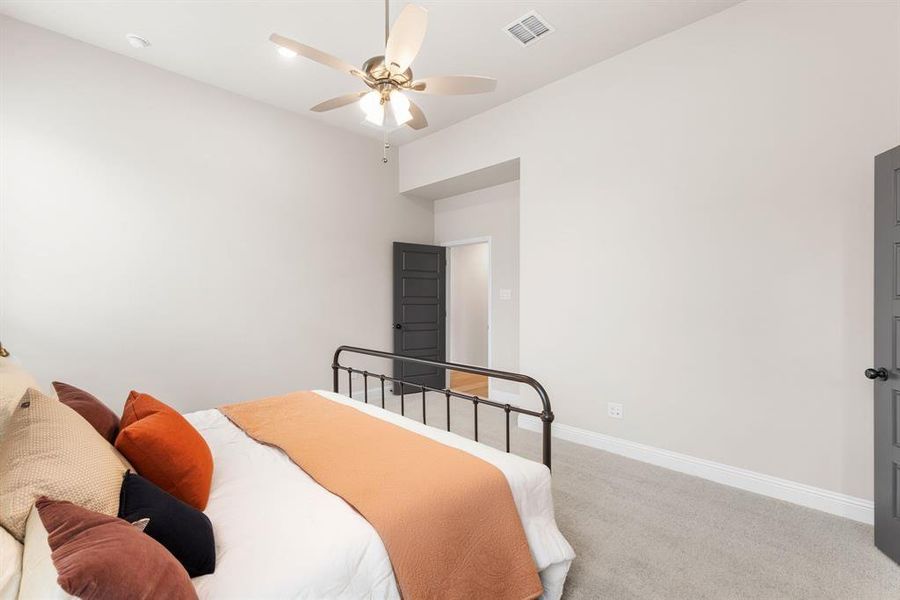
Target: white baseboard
[{"x": 835, "y": 503}]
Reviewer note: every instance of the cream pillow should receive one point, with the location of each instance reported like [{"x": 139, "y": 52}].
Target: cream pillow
[
  {"x": 38, "y": 571},
  {"x": 14, "y": 380},
  {"x": 10, "y": 566},
  {"x": 49, "y": 450}
]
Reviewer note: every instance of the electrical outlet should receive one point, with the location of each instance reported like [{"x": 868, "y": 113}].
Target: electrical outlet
[{"x": 614, "y": 410}]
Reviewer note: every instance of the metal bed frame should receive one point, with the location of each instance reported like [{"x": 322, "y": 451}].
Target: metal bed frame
[{"x": 545, "y": 415}]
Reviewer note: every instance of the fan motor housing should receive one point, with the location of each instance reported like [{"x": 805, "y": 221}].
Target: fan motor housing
[{"x": 380, "y": 74}]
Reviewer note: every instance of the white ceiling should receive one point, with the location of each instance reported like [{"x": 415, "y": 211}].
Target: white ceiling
[{"x": 225, "y": 43}]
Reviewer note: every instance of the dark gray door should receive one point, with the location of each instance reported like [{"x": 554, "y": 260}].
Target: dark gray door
[
  {"x": 886, "y": 371},
  {"x": 420, "y": 312}
]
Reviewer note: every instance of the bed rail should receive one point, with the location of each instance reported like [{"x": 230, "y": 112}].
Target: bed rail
[{"x": 545, "y": 415}]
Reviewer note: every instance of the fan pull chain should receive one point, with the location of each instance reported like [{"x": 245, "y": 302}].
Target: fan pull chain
[{"x": 387, "y": 146}]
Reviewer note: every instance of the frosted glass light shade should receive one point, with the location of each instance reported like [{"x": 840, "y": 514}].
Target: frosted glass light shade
[
  {"x": 372, "y": 107},
  {"x": 400, "y": 108}
]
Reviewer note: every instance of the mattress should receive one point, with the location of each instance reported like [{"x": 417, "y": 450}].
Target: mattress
[{"x": 281, "y": 535}]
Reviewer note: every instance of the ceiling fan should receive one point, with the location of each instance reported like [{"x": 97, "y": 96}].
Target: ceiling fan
[{"x": 389, "y": 75}]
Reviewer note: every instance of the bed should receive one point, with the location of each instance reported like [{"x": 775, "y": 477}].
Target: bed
[
  {"x": 256, "y": 488},
  {"x": 279, "y": 534}
]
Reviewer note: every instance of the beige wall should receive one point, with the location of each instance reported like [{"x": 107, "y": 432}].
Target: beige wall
[
  {"x": 491, "y": 212},
  {"x": 696, "y": 234},
  {"x": 467, "y": 322},
  {"x": 164, "y": 235}
]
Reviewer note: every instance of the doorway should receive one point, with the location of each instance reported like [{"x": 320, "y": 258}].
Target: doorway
[{"x": 469, "y": 312}]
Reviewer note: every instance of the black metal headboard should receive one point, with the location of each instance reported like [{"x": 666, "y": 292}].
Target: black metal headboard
[{"x": 546, "y": 415}]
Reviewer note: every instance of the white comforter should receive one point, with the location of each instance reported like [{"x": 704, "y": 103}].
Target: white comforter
[{"x": 279, "y": 534}]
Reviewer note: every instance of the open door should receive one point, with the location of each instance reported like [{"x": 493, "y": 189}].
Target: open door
[
  {"x": 420, "y": 312},
  {"x": 886, "y": 371}
]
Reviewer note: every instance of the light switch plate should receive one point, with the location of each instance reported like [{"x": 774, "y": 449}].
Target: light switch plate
[{"x": 505, "y": 294}]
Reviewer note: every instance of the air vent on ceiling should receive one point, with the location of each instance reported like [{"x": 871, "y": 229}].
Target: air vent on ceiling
[{"x": 529, "y": 28}]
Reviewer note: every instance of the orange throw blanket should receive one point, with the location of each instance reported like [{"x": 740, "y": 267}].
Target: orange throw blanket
[{"x": 447, "y": 518}]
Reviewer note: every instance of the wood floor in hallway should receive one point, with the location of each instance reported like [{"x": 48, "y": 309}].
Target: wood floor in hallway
[{"x": 467, "y": 383}]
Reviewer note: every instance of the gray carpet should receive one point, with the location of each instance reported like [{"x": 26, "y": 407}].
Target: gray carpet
[{"x": 645, "y": 532}]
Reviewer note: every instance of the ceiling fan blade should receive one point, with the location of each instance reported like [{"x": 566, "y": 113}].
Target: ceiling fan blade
[
  {"x": 317, "y": 55},
  {"x": 451, "y": 85},
  {"x": 338, "y": 102},
  {"x": 418, "y": 121},
  {"x": 405, "y": 38}
]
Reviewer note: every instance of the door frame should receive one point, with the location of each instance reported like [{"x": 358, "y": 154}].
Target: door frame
[{"x": 490, "y": 304}]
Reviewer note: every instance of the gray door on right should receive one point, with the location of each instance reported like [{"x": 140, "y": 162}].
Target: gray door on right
[{"x": 885, "y": 373}]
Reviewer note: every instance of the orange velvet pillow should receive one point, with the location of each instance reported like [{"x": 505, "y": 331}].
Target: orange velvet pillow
[
  {"x": 141, "y": 405},
  {"x": 164, "y": 448}
]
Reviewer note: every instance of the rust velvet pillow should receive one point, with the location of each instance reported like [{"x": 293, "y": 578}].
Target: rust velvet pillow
[
  {"x": 98, "y": 556},
  {"x": 139, "y": 405},
  {"x": 165, "y": 449},
  {"x": 90, "y": 408}
]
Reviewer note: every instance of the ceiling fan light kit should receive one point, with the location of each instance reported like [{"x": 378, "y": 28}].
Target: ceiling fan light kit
[
  {"x": 389, "y": 75},
  {"x": 374, "y": 105}
]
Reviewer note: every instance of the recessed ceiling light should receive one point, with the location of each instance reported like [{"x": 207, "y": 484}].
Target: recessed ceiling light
[
  {"x": 137, "y": 41},
  {"x": 286, "y": 52}
]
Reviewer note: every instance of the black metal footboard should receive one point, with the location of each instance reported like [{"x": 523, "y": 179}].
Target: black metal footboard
[{"x": 546, "y": 415}]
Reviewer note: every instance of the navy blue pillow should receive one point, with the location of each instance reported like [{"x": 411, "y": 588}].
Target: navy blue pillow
[{"x": 182, "y": 529}]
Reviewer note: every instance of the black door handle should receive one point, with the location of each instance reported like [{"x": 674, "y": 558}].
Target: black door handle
[
  {"x": 877, "y": 374},
  {"x": 398, "y": 326}
]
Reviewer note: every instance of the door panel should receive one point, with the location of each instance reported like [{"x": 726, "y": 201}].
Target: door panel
[
  {"x": 420, "y": 261},
  {"x": 413, "y": 370},
  {"x": 896, "y": 270},
  {"x": 420, "y": 340},
  {"x": 417, "y": 287},
  {"x": 887, "y": 353},
  {"x": 419, "y": 312},
  {"x": 896, "y": 343},
  {"x": 895, "y": 417}
]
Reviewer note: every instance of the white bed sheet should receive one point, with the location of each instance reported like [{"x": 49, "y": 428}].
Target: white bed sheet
[{"x": 279, "y": 534}]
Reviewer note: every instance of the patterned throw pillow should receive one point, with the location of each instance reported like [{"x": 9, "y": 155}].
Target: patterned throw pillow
[
  {"x": 49, "y": 450},
  {"x": 14, "y": 380}
]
